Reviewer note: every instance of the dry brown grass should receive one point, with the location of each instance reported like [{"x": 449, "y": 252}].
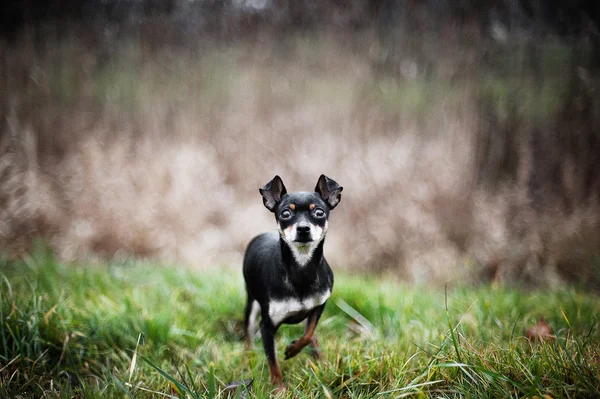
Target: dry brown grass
[{"x": 115, "y": 149}]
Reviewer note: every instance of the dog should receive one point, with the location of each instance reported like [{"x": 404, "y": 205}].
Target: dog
[{"x": 287, "y": 277}]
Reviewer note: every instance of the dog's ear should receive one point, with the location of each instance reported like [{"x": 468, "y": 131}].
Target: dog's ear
[
  {"x": 329, "y": 190},
  {"x": 272, "y": 193}
]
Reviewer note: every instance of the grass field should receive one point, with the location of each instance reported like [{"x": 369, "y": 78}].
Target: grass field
[{"x": 140, "y": 330}]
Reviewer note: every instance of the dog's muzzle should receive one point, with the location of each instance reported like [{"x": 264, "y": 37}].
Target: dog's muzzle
[{"x": 303, "y": 233}]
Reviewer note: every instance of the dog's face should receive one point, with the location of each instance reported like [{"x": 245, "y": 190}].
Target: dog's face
[
  {"x": 302, "y": 216},
  {"x": 302, "y": 219}
]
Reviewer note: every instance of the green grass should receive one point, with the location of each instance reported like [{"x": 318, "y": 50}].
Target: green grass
[{"x": 140, "y": 330}]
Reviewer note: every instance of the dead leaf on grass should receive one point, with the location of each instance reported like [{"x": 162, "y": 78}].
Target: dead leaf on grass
[{"x": 540, "y": 332}]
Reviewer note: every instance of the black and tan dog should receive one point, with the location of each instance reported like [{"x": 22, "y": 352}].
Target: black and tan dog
[{"x": 287, "y": 277}]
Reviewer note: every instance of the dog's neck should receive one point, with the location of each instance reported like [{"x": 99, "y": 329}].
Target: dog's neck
[
  {"x": 302, "y": 277},
  {"x": 296, "y": 259}
]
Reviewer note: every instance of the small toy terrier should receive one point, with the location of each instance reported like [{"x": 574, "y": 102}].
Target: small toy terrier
[{"x": 287, "y": 277}]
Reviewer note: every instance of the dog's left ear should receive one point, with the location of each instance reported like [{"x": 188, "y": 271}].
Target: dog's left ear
[
  {"x": 329, "y": 190},
  {"x": 272, "y": 193}
]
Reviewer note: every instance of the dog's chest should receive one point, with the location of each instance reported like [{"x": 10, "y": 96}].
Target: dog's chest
[{"x": 282, "y": 309}]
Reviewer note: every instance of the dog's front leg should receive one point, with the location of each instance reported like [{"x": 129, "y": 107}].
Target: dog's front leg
[
  {"x": 267, "y": 331},
  {"x": 308, "y": 337}
]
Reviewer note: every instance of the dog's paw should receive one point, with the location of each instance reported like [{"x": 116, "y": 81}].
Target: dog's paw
[
  {"x": 280, "y": 390},
  {"x": 292, "y": 349}
]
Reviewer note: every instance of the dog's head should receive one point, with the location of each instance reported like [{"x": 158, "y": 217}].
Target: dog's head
[{"x": 302, "y": 216}]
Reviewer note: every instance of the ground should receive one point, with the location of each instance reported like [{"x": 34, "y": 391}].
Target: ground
[{"x": 140, "y": 329}]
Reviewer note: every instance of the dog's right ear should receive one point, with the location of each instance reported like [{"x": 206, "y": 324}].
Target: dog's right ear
[{"x": 272, "y": 193}]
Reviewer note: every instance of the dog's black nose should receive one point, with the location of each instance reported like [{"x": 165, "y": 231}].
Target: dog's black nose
[{"x": 303, "y": 229}]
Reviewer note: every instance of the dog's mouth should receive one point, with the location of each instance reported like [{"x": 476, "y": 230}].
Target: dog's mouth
[{"x": 303, "y": 240}]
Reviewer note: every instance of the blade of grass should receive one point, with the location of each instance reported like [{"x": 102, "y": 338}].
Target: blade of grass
[
  {"x": 134, "y": 357},
  {"x": 211, "y": 381},
  {"x": 408, "y": 387},
  {"x": 359, "y": 318},
  {"x": 121, "y": 386},
  {"x": 182, "y": 388},
  {"x": 452, "y": 335},
  {"x": 183, "y": 379},
  {"x": 190, "y": 378}
]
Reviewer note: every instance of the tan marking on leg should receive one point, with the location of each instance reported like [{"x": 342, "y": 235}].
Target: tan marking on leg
[
  {"x": 275, "y": 373},
  {"x": 296, "y": 346}
]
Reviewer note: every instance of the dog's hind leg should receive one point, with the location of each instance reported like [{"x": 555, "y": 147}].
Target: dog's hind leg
[{"x": 250, "y": 316}]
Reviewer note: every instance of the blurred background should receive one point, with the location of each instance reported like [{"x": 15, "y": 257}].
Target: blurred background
[{"x": 466, "y": 133}]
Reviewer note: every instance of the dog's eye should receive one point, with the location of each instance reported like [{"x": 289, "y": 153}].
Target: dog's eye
[
  {"x": 285, "y": 214},
  {"x": 319, "y": 213}
]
